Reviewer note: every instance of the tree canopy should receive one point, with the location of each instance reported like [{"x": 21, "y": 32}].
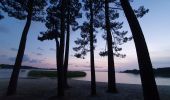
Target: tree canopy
[
  {"x": 2, "y": 7},
  {"x": 19, "y": 9}
]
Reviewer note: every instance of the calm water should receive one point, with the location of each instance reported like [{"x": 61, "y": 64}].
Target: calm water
[
  {"x": 100, "y": 77},
  {"x": 6, "y": 73},
  {"x": 123, "y": 78}
]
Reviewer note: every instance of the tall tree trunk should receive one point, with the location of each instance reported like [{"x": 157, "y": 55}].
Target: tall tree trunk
[
  {"x": 111, "y": 66},
  {"x": 150, "y": 90},
  {"x": 16, "y": 68},
  {"x": 57, "y": 51},
  {"x": 93, "y": 77},
  {"x": 60, "y": 68},
  {"x": 67, "y": 46},
  {"x": 57, "y": 57}
]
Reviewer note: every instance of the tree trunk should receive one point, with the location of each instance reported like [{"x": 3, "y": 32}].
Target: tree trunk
[
  {"x": 16, "y": 68},
  {"x": 57, "y": 57},
  {"x": 60, "y": 68},
  {"x": 93, "y": 77},
  {"x": 111, "y": 66},
  {"x": 67, "y": 46},
  {"x": 150, "y": 90},
  {"x": 57, "y": 51},
  {"x": 58, "y": 65}
]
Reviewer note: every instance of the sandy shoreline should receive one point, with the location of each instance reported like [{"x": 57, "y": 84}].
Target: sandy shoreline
[{"x": 44, "y": 88}]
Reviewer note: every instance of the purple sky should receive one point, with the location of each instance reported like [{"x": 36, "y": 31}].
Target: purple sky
[{"x": 155, "y": 26}]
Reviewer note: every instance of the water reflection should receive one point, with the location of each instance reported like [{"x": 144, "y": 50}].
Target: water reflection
[{"x": 124, "y": 78}]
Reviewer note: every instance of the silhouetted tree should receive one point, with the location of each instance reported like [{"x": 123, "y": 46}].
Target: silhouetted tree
[
  {"x": 53, "y": 27},
  {"x": 119, "y": 36},
  {"x": 53, "y": 23},
  {"x": 113, "y": 27},
  {"x": 83, "y": 48},
  {"x": 29, "y": 10},
  {"x": 150, "y": 90},
  {"x": 2, "y": 7},
  {"x": 99, "y": 19},
  {"x": 88, "y": 38},
  {"x": 73, "y": 12},
  {"x": 67, "y": 44},
  {"x": 93, "y": 77},
  {"x": 56, "y": 22},
  {"x": 60, "y": 69},
  {"x": 1, "y": 16},
  {"x": 83, "y": 42},
  {"x": 111, "y": 67},
  {"x": 50, "y": 35}
]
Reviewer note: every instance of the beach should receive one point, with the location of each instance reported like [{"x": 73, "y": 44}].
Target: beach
[{"x": 46, "y": 89}]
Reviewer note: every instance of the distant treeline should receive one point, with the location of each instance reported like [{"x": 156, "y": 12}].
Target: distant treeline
[
  {"x": 53, "y": 74},
  {"x": 161, "y": 72},
  {"x": 7, "y": 66}
]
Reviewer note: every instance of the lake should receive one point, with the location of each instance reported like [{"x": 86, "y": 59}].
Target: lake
[
  {"x": 6, "y": 73},
  {"x": 123, "y": 78},
  {"x": 100, "y": 77}
]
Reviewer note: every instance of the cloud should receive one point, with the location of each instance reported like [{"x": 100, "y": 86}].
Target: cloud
[
  {"x": 11, "y": 58},
  {"x": 39, "y": 48},
  {"x": 39, "y": 54},
  {"x": 13, "y": 49},
  {"x": 35, "y": 61},
  {"x": 26, "y": 58},
  {"x": 52, "y": 49},
  {"x": 3, "y": 56}
]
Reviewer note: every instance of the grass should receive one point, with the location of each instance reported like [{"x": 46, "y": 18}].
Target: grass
[{"x": 53, "y": 74}]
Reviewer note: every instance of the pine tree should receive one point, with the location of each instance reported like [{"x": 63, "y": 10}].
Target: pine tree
[
  {"x": 56, "y": 24},
  {"x": 111, "y": 67},
  {"x": 113, "y": 34},
  {"x": 2, "y": 7},
  {"x": 53, "y": 27},
  {"x": 1, "y": 16},
  {"x": 31, "y": 10},
  {"x": 150, "y": 90},
  {"x": 88, "y": 38},
  {"x": 60, "y": 62},
  {"x": 93, "y": 77},
  {"x": 73, "y": 12}
]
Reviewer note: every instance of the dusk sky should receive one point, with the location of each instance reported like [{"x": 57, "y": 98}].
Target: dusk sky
[{"x": 155, "y": 26}]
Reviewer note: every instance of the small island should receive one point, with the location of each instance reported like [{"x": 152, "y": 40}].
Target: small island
[
  {"x": 159, "y": 72},
  {"x": 34, "y": 72},
  {"x": 7, "y": 66}
]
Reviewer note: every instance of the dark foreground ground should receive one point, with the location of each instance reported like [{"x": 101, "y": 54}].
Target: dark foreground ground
[{"x": 45, "y": 89}]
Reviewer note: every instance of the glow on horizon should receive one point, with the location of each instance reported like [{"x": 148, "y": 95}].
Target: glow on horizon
[{"x": 155, "y": 26}]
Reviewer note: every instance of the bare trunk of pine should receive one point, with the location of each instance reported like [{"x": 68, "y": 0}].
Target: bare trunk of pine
[
  {"x": 16, "y": 68},
  {"x": 67, "y": 47},
  {"x": 57, "y": 52},
  {"x": 150, "y": 90},
  {"x": 93, "y": 77},
  {"x": 60, "y": 68},
  {"x": 111, "y": 66}
]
